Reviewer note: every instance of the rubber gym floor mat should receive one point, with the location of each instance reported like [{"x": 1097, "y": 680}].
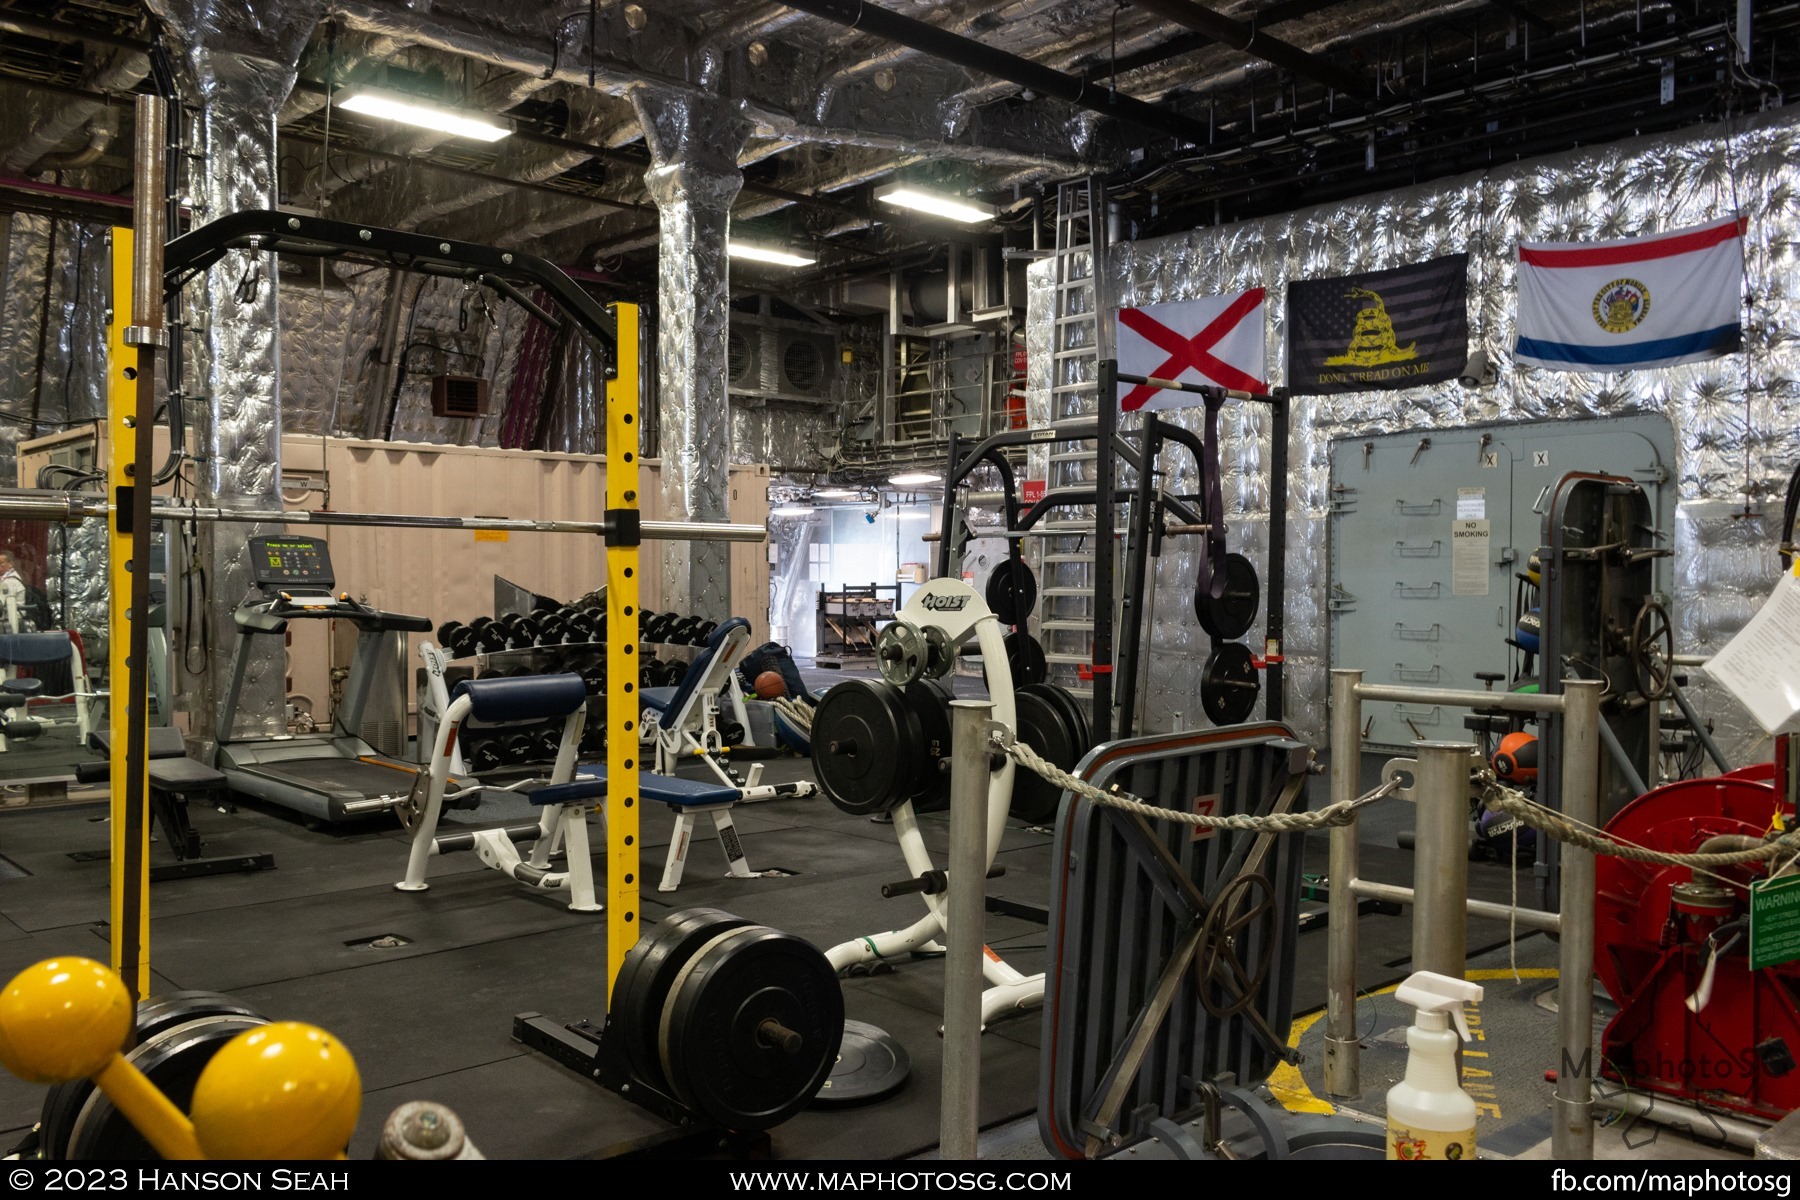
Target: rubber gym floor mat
[
  {"x": 307, "y": 863},
  {"x": 816, "y": 856},
  {"x": 524, "y": 1107},
  {"x": 10, "y": 932},
  {"x": 826, "y": 912},
  {"x": 466, "y": 997},
  {"x": 290, "y": 939},
  {"x": 656, "y": 822},
  {"x": 907, "y": 1122},
  {"x": 936, "y": 830}
]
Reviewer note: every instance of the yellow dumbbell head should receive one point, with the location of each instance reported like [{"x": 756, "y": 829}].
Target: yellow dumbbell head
[
  {"x": 284, "y": 1090},
  {"x": 62, "y": 1019}
]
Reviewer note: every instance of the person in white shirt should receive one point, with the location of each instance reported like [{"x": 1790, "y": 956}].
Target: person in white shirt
[{"x": 12, "y": 592}]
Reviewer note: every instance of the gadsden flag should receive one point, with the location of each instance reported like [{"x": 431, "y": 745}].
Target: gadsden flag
[{"x": 1380, "y": 329}]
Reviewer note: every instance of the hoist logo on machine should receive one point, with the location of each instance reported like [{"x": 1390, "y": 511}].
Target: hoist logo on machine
[{"x": 945, "y": 603}]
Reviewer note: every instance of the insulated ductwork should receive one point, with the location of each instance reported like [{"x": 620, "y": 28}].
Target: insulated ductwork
[
  {"x": 122, "y": 72},
  {"x": 694, "y": 179}
]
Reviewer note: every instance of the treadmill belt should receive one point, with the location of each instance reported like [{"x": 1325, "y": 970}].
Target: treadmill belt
[{"x": 339, "y": 775}]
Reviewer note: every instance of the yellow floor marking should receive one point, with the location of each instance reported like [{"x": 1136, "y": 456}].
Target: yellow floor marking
[{"x": 1289, "y": 1086}]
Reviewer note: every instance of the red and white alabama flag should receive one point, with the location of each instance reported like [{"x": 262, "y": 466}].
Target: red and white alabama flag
[{"x": 1216, "y": 340}]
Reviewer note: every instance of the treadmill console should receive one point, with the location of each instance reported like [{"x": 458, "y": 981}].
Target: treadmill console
[{"x": 291, "y": 562}]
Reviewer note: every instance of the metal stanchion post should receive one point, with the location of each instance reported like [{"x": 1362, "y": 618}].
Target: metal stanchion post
[
  {"x": 1440, "y": 940},
  {"x": 1342, "y": 1060},
  {"x": 1572, "y": 1131},
  {"x": 966, "y": 901}
]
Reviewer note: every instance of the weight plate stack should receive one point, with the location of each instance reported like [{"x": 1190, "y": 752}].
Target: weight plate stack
[
  {"x": 929, "y": 702},
  {"x": 751, "y": 1027},
  {"x": 1043, "y": 727},
  {"x": 865, "y": 743},
  {"x": 1234, "y": 611},
  {"x": 1075, "y": 715},
  {"x": 649, "y": 970},
  {"x": 178, "y": 1034},
  {"x": 1229, "y": 684}
]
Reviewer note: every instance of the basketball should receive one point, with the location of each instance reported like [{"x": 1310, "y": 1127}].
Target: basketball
[{"x": 770, "y": 685}]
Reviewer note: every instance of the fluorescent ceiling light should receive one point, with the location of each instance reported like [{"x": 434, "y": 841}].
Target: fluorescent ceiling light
[
  {"x": 409, "y": 110},
  {"x": 768, "y": 254},
  {"x": 935, "y": 203},
  {"x": 792, "y": 510},
  {"x": 915, "y": 479},
  {"x": 836, "y": 494}
]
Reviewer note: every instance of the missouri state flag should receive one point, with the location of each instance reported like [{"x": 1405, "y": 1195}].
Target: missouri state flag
[
  {"x": 1217, "y": 340},
  {"x": 1651, "y": 301}
]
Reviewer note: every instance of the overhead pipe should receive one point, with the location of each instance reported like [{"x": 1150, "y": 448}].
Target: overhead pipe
[
  {"x": 978, "y": 56},
  {"x": 101, "y": 131},
  {"x": 122, "y": 74}
]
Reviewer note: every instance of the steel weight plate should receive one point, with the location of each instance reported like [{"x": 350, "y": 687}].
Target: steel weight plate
[
  {"x": 1011, "y": 591},
  {"x": 1232, "y": 614},
  {"x": 1229, "y": 684},
  {"x": 865, "y": 745},
  {"x": 1041, "y": 726},
  {"x": 649, "y": 970},
  {"x": 752, "y": 1027},
  {"x": 154, "y": 1015},
  {"x": 929, "y": 702},
  {"x": 172, "y": 1060}
]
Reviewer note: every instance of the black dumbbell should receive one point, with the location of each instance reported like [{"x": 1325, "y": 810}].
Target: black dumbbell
[
  {"x": 490, "y": 635},
  {"x": 461, "y": 642},
  {"x": 730, "y": 732},
  {"x": 448, "y": 632},
  {"x": 656, "y": 629},
  {"x": 521, "y": 631},
  {"x": 594, "y": 679},
  {"x": 550, "y": 630},
  {"x": 686, "y": 632},
  {"x": 706, "y": 630},
  {"x": 516, "y": 747},
  {"x": 672, "y": 673},
  {"x": 546, "y": 743},
  {"x": 484, "y": 755}
]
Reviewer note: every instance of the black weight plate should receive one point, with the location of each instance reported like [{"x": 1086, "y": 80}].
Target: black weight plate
[
  {"x": 1041, "y": 726},
  {"x": 870, "y": 1066},
  {"x": 1229, "y": 684},
  {"x": 865, "y": 746},
  {"x": 154, "y": 1015},
  {"x": 1232, "y": 614},
  {"x": 929, "y": 702},
  {"x": 650, "y": 967},
  {"x": 1025, "y": 658},
  {"x": 1011, "y": 591},
  {"x": 1074, "y": 716},
  {"x": 709, "y": 1037},
  {"x": 172, "y": 1060}
]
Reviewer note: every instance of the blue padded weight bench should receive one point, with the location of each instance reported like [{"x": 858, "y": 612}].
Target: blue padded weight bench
[
  {"x": 563, "y": 802},
  {"x": 683, "y": 720},
  {"x": 39, "y": 649},
  {"x": 685, "y": 798}
]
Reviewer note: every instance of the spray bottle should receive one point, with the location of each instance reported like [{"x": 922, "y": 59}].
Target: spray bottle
[{"x": 1428, "y": 1113}]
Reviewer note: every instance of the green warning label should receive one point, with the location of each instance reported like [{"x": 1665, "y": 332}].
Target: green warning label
[{"x": 1774, "y": 922}]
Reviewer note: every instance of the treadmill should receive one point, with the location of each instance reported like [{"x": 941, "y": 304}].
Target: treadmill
[{"x": 333, "y": 775}]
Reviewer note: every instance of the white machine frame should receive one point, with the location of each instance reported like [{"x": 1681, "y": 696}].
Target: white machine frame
[
  {"x": 82, "y": 699},
  {"x": 559, "y": 826},
  {"x": 956, "y": 609}
]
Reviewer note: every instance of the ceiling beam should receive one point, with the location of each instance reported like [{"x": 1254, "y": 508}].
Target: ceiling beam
[
  {"x": 1517, "y": 9},
  {"x": 978, "y": 56},
  {"x": 1248, "y": 39}
]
